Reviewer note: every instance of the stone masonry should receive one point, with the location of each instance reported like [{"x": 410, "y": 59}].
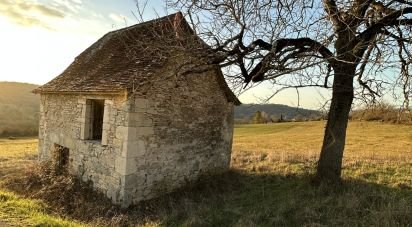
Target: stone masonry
[
  {"x": 134, "y": 126},
  {"x": 152, "y": 143}
]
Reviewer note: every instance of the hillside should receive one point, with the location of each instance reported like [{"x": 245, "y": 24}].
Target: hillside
[
  {"x": 247, "y": 110},
  {"x": 19, "y": 109}
]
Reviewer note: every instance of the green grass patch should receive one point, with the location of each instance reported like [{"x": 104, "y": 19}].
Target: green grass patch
[{"x": 28, "y": 212}]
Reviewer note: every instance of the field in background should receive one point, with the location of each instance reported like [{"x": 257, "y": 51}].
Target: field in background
[
  {"x": 269, "y": 184},
  {"x": 19, "y": 109},
  {"x": 372, "y": 141}
]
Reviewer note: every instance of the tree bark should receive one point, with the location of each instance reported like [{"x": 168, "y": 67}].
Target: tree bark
[{"x": 330, "y": 161}]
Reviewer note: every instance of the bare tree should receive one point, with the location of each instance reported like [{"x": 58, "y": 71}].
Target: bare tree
[{"x": 357, "y": 49}]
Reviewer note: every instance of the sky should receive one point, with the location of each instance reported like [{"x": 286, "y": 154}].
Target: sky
[{"x": 40, "y": 38}]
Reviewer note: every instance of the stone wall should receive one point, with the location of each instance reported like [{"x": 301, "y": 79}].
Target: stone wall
[
  {"x": 178, "y": 129},
  {"x": 63, "y": 122},
  {"x": 155, "y": 140}
]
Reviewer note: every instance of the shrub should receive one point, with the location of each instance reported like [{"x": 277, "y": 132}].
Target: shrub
[{"x": 383, "y": 112}]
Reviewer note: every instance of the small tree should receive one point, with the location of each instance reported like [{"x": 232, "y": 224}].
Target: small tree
[
  {"x": 276, "y": 118},
  {"x": 259, "y": 117}
]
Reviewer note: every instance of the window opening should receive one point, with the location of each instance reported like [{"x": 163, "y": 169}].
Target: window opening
[{"x": 97, "y": 112}]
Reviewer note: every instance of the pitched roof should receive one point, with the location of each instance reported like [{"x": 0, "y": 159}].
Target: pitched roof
[{"x": 125, "y": 58}]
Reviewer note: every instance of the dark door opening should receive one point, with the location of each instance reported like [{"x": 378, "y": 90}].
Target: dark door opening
[{"x": 61, "y": 159}]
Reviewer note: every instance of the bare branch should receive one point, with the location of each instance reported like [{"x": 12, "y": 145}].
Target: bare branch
[
  {"x": 332, "y": 10},
  {"x": 364, "y": 38}
]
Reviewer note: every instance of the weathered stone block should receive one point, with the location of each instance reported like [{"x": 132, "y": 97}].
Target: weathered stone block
[
  {"x": 126, "y": 133},
  {"x": 108, "y": 102},
  {"x": 132, "y": 149},
  {"x": 144, "y": 131},
  {"x": 139, "y": 119},
  {"x": 69, "y": 142},
  {"x": 141, "y": 104},
  {"x": 81, "y": 101},
  {"x": 120, "y": 165},
  {"x": 54, "y": 138},
  {"x": 105, "y": 137},
  {"x": 125, "y": 166}
]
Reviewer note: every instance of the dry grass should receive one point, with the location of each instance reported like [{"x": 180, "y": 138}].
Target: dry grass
[
  {"x": 302, "y": 141},
  {"x": 269, "y": 184},
  {"x": 18, "y": 162},
  {"x": 16, "y": 155}
]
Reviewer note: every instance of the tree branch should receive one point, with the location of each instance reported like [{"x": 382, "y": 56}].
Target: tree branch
[
  {"x": 359, "y": 9},
  {"x": 309, "y": 43},
  {"x": 390, "y": 20},
  {"x": 332, "y": 10},
  {"x": 303, "y": 44},
  {"x": 400, "y": 1}
]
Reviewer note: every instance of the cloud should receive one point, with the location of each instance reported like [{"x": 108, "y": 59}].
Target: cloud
[
  {"x": 48, "y": 11},
  {"x": 70, "y": 16},
  {"x": 24, "y": 20},
  {"x": 69, "y": 6},
  {"x": 117, "y": 17},
  {"x": 29, "y": 12}
]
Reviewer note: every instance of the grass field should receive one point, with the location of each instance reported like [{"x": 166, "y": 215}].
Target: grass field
[
  {"x": 17, "y": 156},
  {"x": 269, "y": 184}
]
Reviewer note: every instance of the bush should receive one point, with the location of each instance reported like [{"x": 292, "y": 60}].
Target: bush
[{"x": 383, "y": 112}]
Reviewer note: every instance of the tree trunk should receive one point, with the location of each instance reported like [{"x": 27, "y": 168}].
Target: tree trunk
[{"x": 330, "y": 161}]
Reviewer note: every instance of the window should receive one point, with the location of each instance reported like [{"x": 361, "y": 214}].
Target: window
[
  {"x": 97, "y": 111},
  {"x": 93, "y": 119}
]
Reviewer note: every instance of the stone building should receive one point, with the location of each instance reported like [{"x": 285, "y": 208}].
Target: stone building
[{"x": 123, "y": 116}]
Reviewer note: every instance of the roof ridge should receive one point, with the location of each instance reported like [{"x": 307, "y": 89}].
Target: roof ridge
[{"x": 155, "y": 20}]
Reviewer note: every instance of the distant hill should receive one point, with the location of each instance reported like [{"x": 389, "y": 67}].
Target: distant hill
[
  {"x": 247, "y": 110},
  {"x": 19, "y": 109}
]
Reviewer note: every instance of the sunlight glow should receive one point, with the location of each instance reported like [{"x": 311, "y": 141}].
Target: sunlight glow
[
  {"x": 40, "y": 38},
  {"x": 35, "y": 54}
]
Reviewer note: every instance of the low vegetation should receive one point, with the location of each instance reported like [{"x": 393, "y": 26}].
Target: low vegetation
[
  {"x": 17, "y": 158},
  {"x": 269, "y": 184},
  {"x": 383, "y": 112}
]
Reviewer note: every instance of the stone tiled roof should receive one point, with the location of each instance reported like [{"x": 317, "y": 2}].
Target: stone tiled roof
[{"x": 125, "y": 59}]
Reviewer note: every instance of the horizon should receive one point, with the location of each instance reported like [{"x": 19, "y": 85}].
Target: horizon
[{"x": 242, "y": 104}]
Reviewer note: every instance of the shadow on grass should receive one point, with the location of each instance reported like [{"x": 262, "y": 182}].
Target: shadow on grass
[
  {"x": 237, "y": 198},
  {"x": 266, "y": 199}
]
